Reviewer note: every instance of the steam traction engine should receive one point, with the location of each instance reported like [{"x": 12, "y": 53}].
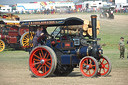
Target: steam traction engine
[
  {"x": 14, "y": 35},
  {"x": 107, "y": 12},
  {"x": 62, "y": 51}
]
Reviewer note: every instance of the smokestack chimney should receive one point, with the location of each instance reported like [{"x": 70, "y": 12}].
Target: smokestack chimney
[
  {"x": 93, "y": 21},
  {"x": 94, "y": 36}
]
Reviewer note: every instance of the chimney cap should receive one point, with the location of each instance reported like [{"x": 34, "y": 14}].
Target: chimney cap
[{"x": 93, "y": 16}]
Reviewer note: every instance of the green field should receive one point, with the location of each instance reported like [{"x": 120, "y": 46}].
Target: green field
[{"x": 14, "y": 64}]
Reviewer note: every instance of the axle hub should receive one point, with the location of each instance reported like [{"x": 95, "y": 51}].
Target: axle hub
[
  {"x": 42, "y": 61},
  {"x": 87, "y": 67}
]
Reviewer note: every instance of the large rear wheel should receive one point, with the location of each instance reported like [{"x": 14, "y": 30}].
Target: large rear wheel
[
  {"x": 89, "y": 66},
  {"x": 42, "y": 61},
  {"x": 2, "y": 45},
  {"x": 105, "y": 66}
]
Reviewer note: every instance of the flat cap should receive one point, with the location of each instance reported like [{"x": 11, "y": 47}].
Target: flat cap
[{"x": 121, "y": 37}]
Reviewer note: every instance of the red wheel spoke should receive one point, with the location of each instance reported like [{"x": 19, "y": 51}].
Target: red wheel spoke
[
  {"x": 36, "y": 60},
  {"x": 106, "y": 63},
  {"x": 36, "y": 63},
  {"x": 47, "y": 65},
  {"x": 40, "y": 54},
  {"x": 106, "y": 68},
  {"x": 37, "y": 56},
  {"x": 86, "y": 71},
  {"x": 87, "y": 61},
  {"x": 48, "y": 59},
  {"x": 84, "y": 67},
  {"x": 89, "y": 72},
  {"x": 38, "y": 66},
  {"x": 85, "y": 64},
  {"x": 43, "y": 69},
  {"x": 102, "y": 61},
  {"x": 93, "y": 65},
  {"x": 47, "y": 56}
]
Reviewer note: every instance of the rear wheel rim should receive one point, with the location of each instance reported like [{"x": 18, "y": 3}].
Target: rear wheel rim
[
  {"x": 88, "y": 67},
  {"x": 2, "y": 45},
  {"x": 40, "y": 62}
]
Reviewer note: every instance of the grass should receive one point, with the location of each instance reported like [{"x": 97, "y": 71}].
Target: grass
[
  {"x": 100, "y": 13},
  {"x": 121, "y": 13}
]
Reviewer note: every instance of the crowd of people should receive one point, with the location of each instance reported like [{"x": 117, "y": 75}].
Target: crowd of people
[
  {"x": 47, "y": 11},
  {"x": 120, "y": 10},
  {"x": 69, "y": 10}
]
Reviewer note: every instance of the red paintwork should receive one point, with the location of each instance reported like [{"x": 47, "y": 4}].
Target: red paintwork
[
  {"x": 34, "y": 62},
  {"x": 58, "y": 41},
  {"x": 12, "y": 33},
  {"x": 22, "y": 30},
  {"x": 14, "y": 28},
  {"x": 3, "y": 36},
  {"x": 53, "y": 42},
  {"x": 67, "y": 44},
  {"x": 12, "y": 40}
]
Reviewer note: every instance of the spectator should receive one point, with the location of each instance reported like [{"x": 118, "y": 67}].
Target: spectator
[{"x": 121, "y": 47}]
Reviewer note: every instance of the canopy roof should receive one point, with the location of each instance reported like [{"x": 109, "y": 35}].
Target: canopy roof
[
  {"x": 46, "y": 22},
  {"x": 54, "y": 22}
]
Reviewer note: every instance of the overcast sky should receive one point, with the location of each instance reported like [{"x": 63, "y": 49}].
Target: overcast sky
[{"x": 22, "y": 1}]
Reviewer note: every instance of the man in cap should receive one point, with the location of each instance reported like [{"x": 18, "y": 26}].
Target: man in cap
[{"x": 121, "y": 47}]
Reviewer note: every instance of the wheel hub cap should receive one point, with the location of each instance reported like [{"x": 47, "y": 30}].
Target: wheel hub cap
[
  {"x": 87, "y": 67},
  {"x": 42, "y": 61}
]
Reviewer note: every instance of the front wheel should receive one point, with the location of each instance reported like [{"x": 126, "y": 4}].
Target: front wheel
[
  {"x": 105, "y": 66},
  {"x": 89, "y": 66}
]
